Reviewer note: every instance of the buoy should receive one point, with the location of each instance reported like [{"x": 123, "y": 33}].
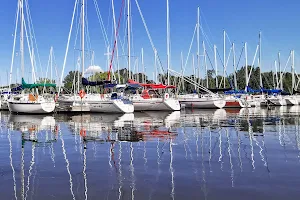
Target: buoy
[
  {"x": 55, "y": 97},
  {"x": 166, "y": 96},
  {"x": 81, "y": 93},
  {"x": 82, "y": 133}
]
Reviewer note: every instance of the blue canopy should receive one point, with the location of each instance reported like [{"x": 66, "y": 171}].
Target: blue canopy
[
  {"x": 110, "y": 85},
  {"x": 86, "y": 82}
]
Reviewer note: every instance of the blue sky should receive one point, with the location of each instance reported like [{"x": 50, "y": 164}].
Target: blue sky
[{"x": 242, "y": 20}]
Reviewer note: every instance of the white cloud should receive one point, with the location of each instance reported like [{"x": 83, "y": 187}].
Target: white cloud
[{"x": 93, "y": 69}]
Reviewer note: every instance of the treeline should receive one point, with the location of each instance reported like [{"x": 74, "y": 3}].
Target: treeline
[{"x": 269, "y": 79}]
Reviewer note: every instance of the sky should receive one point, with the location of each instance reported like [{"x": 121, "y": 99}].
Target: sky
[{"x": 277, "y": 20}]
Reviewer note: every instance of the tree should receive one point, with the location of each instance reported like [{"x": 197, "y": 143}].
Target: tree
[{"x": 70, "y": 78}]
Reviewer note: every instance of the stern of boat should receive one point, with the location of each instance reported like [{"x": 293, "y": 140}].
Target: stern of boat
[
  {"x": 124, "y": 105},
  {"x": 172, "y": 104},
  {"x": 220, "y": 103}
]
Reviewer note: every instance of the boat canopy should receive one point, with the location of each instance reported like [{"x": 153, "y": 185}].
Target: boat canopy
[
  {"x": 18, "y": 88},
  {"x": 219, "y": 89},
  {"x": 34, "y": 85},
  {"x": 152, "y": 85},
  {"x": 86, "y": 82},
  {"x": 235, "y": 92},
  {"x": 110, "y": 85}
]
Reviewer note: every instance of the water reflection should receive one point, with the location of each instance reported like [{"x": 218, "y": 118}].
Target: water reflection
[{"x": 151, "y": 155}]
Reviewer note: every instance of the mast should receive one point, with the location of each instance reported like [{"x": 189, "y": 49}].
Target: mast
[
  {"x": 224, "y": 56},
  {"x": 246, "y": 66},
  {"x": 293, "y": 70},
  {"x": 82, "y": 35},
  {"x": 143, "y": 66},
  {"x": 128, "y": 38},
  {"x": 205, "y": 63},
  {"x": 198, "y": 42},
  {"x": 51, "y": 63},
  {"x": 276, "y": 74},
  {"x": 234, "y": 67},
  {"x": 194, "y": 72},
  {"x": 168, "y": 44},
  {"x": 22, "y": 37},
  {"x": 280, "y": 73},
  {"x": 259, "y": 62},
  {"x": 116, "y": 39},
  {"x": 155, "y": 65},
  {"x": 216, "y": 66},
  {"x": 182, "y": 79}
]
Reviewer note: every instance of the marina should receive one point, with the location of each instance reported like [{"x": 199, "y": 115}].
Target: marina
[
  {"x": 131, "y": 99},
  {"x": 202, "y": 154}
]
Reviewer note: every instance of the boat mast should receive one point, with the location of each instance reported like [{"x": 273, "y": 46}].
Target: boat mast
[
  {"x": 182, "y": 78},
  {"x": 216, "y": 66},
  {"x": 82, "y": 32},
  {"x": 205, "y": 63},
  {"x": 276, "y": 74},
  {"x": 259, "y": 62},
  {"x": 224, "y": 56},
  {"x": 51, "y": 63},
  {"x": 279, "y": 65},
  {"x": 293, "y": 70},
  {"x": 198, "y": 42},
  {"x": 168, "y": 45},
  {"x": 22, "y": 36},
  {"x": 246, "y": 66},
  {"x": 194, "y": 71},
  {"x": 155, "y": 65},
  {"x": 234, "y": 67},
  {"x": 116, "y": 39},
  {"x": 143, "y": 66},
  {"x": 128, "y": 38}
]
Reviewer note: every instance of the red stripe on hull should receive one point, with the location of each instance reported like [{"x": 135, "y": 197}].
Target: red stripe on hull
[{"x": 232, "y": 104}]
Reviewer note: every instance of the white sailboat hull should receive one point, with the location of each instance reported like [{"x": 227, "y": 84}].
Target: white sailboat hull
[
  {"x": 202, "y": 103},
  {"x": 155, "y": 104},
  {"x": 4, "y": 105},
  {"x": 31, "y": 107},
  {"x": 233, "y": 102},
  {"x": 111, "y": 106},
  {"x": 291, "y": 100},
  {"x": 275, "y": 101}
]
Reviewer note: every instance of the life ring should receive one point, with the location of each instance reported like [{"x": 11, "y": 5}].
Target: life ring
[
  {"x": 82, "y": 133},
  {"x": 55, "y": 97},
  {"x": 166, "y": 96},
  {"x": 81, "y": 93}
]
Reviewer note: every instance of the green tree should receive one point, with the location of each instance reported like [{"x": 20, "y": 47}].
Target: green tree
[{"x": 70, "y": 78}]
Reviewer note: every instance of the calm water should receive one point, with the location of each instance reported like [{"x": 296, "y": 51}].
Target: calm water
[{"x": 200, "y": 154}]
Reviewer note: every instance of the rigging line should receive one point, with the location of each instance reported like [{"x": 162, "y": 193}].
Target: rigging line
[
  {"x": 78, "y": 25},
  {"x": 115, "y": 42},
  {"x": 149, "y": 36},
  {"x": 207, "y": 39},
  {"x": 34, "y": 37},
  {"x": 67, "y": 48},
  {"x": 205, "y": 21},
  {"x": 228, "y": 38},
  {"x": 240, "y": 56},
  {"x": 14, "y": 45},
  {"x": 187, "y": 57},
  {"x": 101, "y": 23}
]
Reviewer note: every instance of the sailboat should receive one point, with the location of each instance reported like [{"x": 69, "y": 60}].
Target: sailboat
[
  {"x": 151, "y": 99},
  {"x": 32, "y": 102},
  {"x": 109, "y": 103}
]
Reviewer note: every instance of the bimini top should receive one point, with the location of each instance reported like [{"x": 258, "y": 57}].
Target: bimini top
[
  {"x": 152, "y": 85},
  {"x": 34, "y": 85},
  {"x": 86, "y": 82}
]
